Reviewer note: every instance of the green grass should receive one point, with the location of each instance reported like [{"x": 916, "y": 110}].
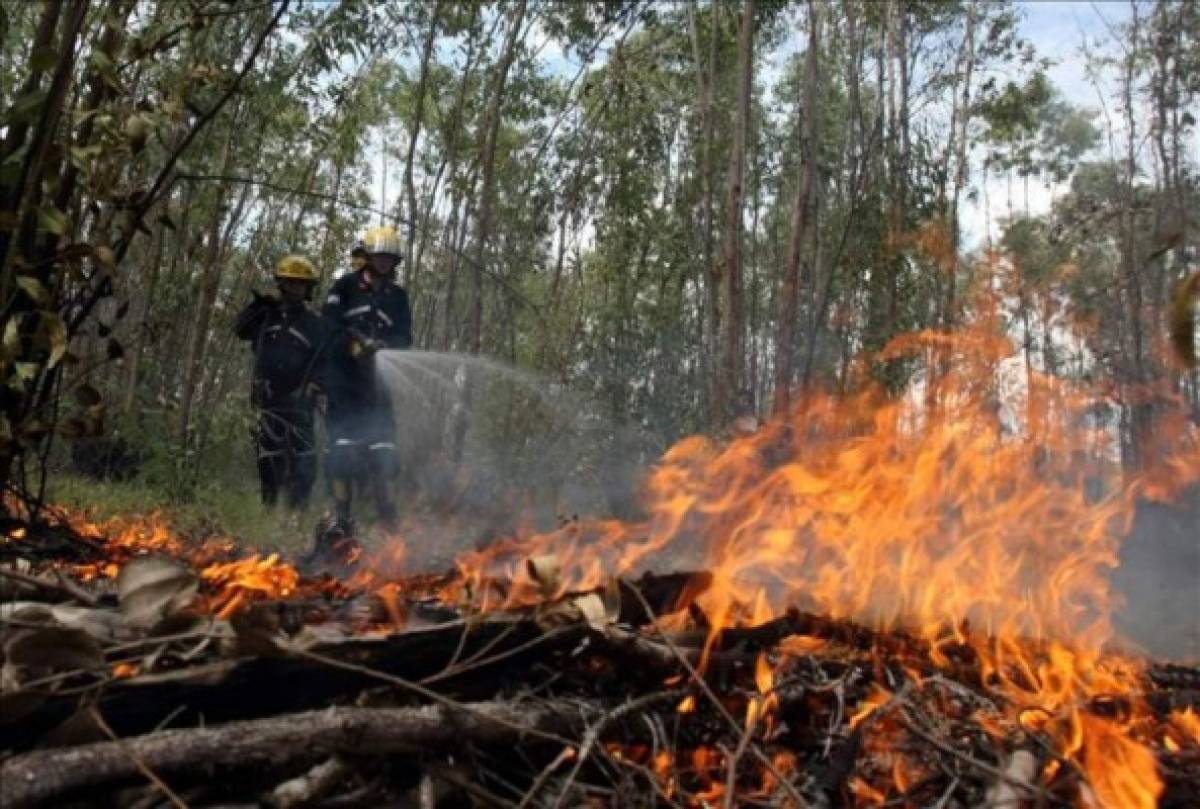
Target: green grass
[{"x": 215, "y": 508}]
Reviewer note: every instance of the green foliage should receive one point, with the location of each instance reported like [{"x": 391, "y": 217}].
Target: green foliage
[{"x": 166, "y": 183}]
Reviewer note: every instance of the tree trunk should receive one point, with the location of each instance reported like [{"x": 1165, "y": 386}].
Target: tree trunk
[
  {"x": 491, "y": 131},
  {"x": 141, "y": 307},
  {"x": 961, "y": 162},
  {"x": 730, "y": 372},
  {"x": 414, "y": 133},
  {"x": 1141, "y": 415},
  {"x": 210, "y": 282},
  {"x": 802, "y": 221}
]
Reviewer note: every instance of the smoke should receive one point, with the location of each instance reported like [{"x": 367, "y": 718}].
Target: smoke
[
  {"x": 489, "y": 451},
  {"x": 1159, "y": 579}
]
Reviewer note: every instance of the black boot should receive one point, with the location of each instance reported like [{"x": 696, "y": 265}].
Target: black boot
[{"x": 335, "y": 549}]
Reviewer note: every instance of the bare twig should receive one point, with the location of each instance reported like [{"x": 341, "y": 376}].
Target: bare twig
[
  {"x": 422, "y": 691},
  {"x": 488, "y": 798},
  {"x": 64, "y": 585},
  {"x": 40, "y": 778},
  {"x": 733, "y": 758},
  {"x": 543, "y": 776},
  {"x": 477, "y": 663},
  {"x": 763, "y": 758},
  {"x": 982, "y": 766},
  {"x": 143, "y": 768},
  {"x": 312, "y": 785},
  {"x": 593, "y": 733}
]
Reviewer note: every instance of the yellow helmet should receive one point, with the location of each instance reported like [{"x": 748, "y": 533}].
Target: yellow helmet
[
  {"x": 382, "y": 240},
  {"x": 295, "y": 268}
]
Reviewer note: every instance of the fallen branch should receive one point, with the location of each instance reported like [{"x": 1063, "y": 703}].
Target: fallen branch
[
  {"x": 45, "y": 776},
  {"x": 63, "y": 586},
  {"x": 314, "y": 784}
]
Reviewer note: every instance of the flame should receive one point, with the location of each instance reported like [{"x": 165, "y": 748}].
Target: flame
[
  {"x": 980, "y": 509},
  {"x": 866, "y": 793},
  {"x": 1185, "y": 724},
  {"x": 123, "y": 670},
  {"x": 983, "y": 507},
  {"x": 252, "y": 577},
  {"x": 1121, "y": 771},
  {"x": 875, "y": 699},
  {"x": 389, "y": 595},
  {"x": 761, "y": 706}
]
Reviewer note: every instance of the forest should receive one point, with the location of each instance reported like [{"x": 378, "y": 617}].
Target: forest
[
  {"x": 664, "y": 208},
  {"x": 882, "y": 308}
]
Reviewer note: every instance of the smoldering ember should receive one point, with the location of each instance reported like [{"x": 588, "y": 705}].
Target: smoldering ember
[{"x": 528, "y": 403}]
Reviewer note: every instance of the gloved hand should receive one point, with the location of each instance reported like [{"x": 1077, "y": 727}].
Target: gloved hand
[
  {"x": 264, "y": 298},
  {"x": 362, "y": 346},
  {"x": 260, "y": 392}
]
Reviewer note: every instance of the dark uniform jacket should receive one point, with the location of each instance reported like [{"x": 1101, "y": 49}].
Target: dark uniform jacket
[
  {"x": 359, "y": 311},
  {"x": 381, "y": 315},
  {"x": 289, "y": 344}
]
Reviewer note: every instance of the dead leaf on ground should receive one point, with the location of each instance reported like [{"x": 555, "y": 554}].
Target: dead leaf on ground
[
  {"x": 590, "y": 608},
  {"x": 151, "y": 589},
  {"x": 32, "y": 654},
  {"x": 546, "y": 573}
]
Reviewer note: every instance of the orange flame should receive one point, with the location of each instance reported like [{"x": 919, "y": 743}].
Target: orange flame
[{"x": 983, "y": 507}]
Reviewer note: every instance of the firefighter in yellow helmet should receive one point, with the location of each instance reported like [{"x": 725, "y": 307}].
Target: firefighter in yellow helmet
[
  {"x": 371, "y": 312},
  {"x": 358, "y": 256},
  {"x": 289, "y": 341}
]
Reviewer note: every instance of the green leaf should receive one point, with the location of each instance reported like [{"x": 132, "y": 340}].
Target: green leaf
[
  {"x": 25, "y": 107},
  {"x": 10, "y": 169},
  {"x": 26, "y": 371},
  {"x": 12, "y": 334},
  {"x": 87, "y": 396},
  {"x": 72, "y": 428},
  {"x": 106, "y": 68},
  {"x": 33, "y": 288},
  {"x": 43, "y": 59},
  {"x": 52, "y": 220},
  {"x": 56, "y": 337},
  {"x": 80, "y": 155}
]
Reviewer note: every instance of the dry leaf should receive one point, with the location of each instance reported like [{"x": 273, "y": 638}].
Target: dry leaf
[
  {"x": 589, "y": 608},
  {"x": 546, "y": 573},
  {"x": 256, "y": 633},
  {"x": 31, "y": 654},
  {"x": 11, "y": 589},
  {"x": 102, "y": 624},
  {"x": 592, "y": 609},
  {"x": 153, "y": 588}
]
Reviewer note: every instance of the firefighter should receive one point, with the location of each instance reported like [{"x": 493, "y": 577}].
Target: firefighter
[
  {"x": 288, "y": 340},
  {"x": 371, "y": 311},
  {"x": 358, "y": 257}
]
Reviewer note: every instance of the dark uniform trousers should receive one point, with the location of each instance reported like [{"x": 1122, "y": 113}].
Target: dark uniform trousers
[
  {"x": 288, "y": 343},
  {"x": 286, "y": 442},
  {"x": 362, "y": 430}
]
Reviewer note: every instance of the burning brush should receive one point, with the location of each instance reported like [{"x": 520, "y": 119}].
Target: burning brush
[{"x": 901, "y": 601}]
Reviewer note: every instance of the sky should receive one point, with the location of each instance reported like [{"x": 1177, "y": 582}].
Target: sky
[{"x": 1057, "y": 30}]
